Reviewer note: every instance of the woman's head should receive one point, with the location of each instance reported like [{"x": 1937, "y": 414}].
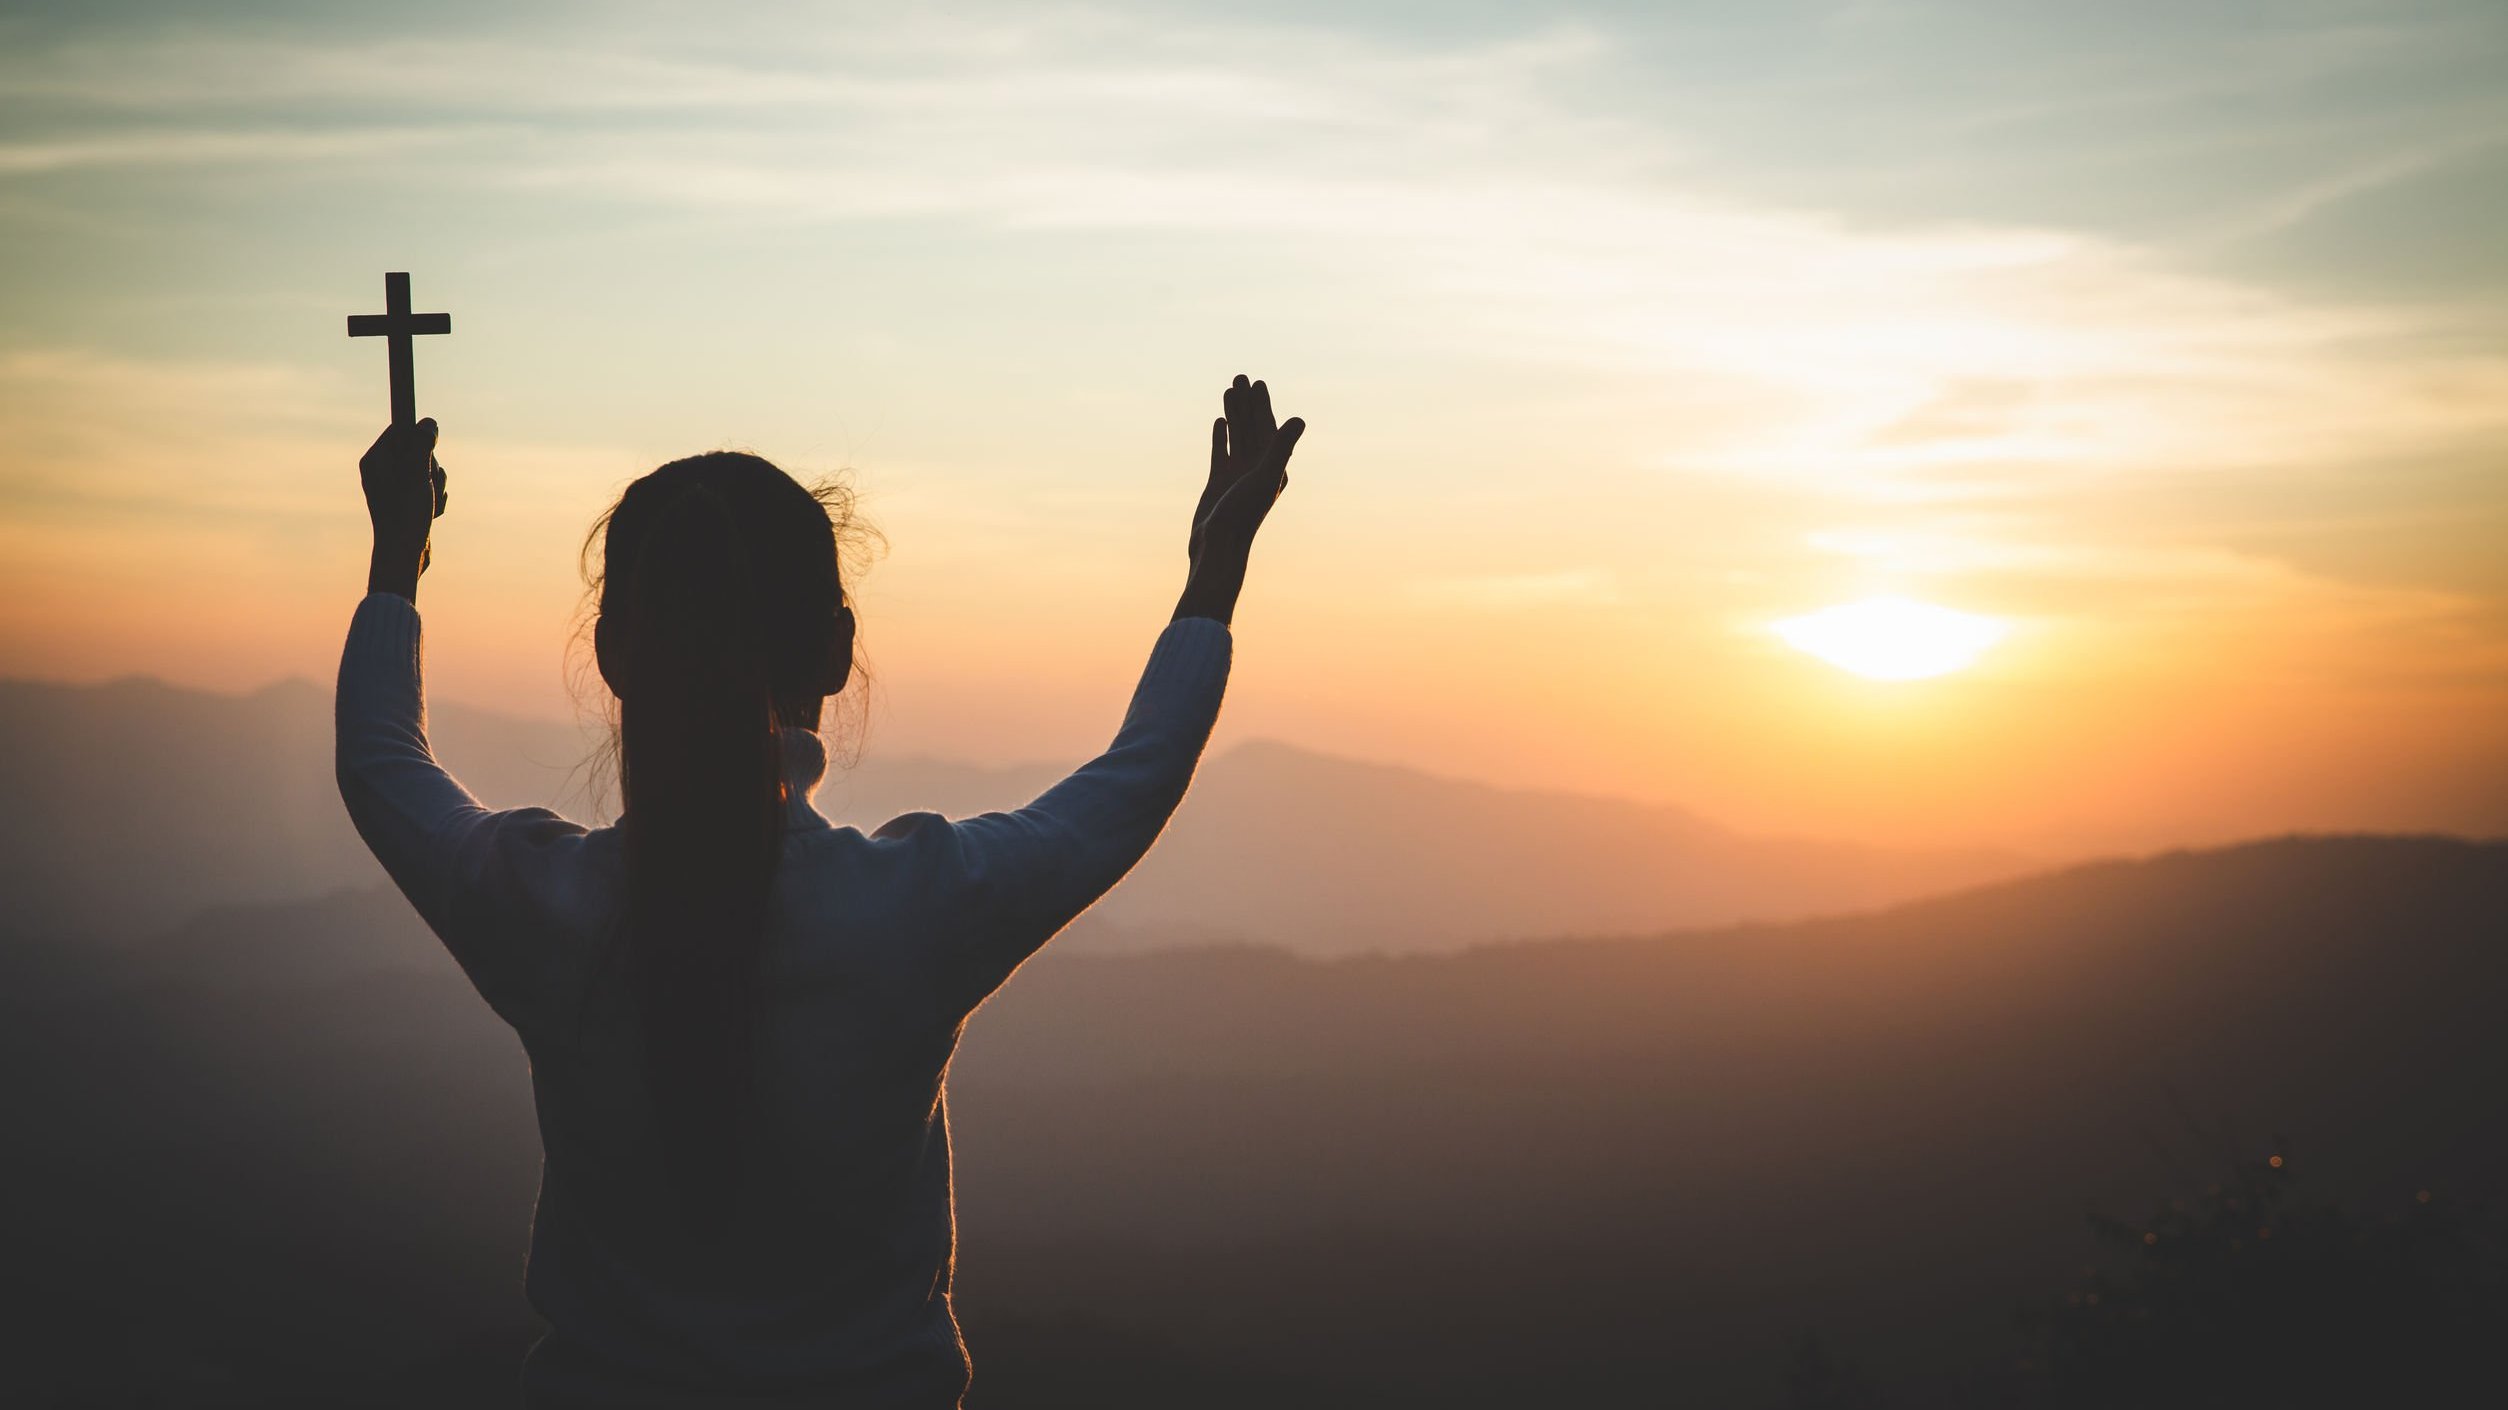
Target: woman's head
[
  {"x": 728, "y": 549},
  {"x": 721, "y": 617}
]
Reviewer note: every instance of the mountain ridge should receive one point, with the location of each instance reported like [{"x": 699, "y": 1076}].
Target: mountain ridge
[{"x": 1275, "y": 842}]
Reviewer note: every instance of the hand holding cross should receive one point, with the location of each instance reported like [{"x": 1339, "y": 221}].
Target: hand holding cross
[{"x": 404, "y": 484}]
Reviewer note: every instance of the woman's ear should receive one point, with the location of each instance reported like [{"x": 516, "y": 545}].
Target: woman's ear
[
  {"x": 838, "y": 667},
  {"x": 610, "y": 655}
]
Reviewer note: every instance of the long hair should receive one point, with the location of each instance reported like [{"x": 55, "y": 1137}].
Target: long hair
[{"x": 718, "y": 594}]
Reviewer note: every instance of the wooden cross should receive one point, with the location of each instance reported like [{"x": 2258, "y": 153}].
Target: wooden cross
[{"x": 397, "y": 324}]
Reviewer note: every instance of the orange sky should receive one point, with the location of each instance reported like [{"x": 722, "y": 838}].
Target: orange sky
[{"x": 2178, "y": 352}]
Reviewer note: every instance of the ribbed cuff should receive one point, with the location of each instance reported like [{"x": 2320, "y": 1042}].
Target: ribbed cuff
[
  {"x": 379, "y": 665},
  {"x": 385, "y": 629},
  {"x": 1188, "y": 669}
]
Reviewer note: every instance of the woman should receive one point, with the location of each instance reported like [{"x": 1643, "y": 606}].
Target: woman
[{"x": 740, "y": 1018}]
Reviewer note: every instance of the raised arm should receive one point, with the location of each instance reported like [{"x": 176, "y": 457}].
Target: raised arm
[
  {"x": 435, "y": 840},
  {"x": 404, "y": 804},
  {"x": 1022, "y": 876}
]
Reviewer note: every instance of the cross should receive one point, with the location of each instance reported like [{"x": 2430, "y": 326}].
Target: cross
[{"x": 396, "y": 324}]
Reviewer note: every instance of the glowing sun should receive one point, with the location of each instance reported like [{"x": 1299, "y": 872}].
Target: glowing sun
[{"x": 1893, "y": 638}]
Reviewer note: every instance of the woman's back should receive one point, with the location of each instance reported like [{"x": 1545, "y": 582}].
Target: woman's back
[
  {"x": 829, "y": 1271},
  {"x": 787, "y": 1237}
]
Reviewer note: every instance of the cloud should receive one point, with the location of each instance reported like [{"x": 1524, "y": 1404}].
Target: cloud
[
  {"x": 1945, "y": 381},
  {"x": 171, "y": 147},
  {"x": 98, "y": 439},
  {"x": 96, "y": 436},
  {"x": 2299, "y": 203}
]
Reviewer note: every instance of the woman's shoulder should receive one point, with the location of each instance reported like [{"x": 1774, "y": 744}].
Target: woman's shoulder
[
  {"x": 543, "y": 854},
  {"x": 897, "y": 846},
  {"x": 902, "y": 872}
]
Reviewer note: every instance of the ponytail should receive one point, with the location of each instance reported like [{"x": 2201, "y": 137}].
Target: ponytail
[
  {"x": 701, "y": 781},
  {"x": 721, "y": 618}
]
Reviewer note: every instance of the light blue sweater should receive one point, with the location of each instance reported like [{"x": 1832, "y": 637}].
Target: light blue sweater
[{"x": 833, "y": 1285}]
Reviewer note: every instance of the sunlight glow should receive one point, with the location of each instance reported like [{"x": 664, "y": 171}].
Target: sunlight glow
[{"x": 1893, "y": 638}]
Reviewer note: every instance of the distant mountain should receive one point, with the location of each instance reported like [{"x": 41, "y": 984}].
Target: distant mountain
[
  {"x": 132, "y": 805},
  {"x": 1333, "y": 856},
  {"x": 291, "y": 1143},
  {"x": 129, "y": 806}
]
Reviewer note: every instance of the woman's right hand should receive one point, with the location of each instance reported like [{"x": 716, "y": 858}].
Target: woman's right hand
[
  {"x": 1249, "y": 467},
  {"x": 404, "y": 496}
]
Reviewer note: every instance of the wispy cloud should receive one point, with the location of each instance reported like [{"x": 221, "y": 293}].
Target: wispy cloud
[
  {"x": 2306, "y": 199},
  {"x": 1440, "y": 195},
  {"x": 1933, "y": 395},
  {"x": 243, "y": 147},
  {"x": 1824, "y": 352}
]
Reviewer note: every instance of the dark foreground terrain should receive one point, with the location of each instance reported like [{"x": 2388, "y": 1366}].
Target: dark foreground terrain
[{"x": 281, "y": 1155}]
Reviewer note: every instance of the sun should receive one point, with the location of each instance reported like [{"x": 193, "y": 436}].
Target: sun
[{"x": 1893, "y": 638}]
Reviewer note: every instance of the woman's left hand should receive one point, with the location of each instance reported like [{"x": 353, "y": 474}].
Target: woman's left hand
[
  {"x": 404, "y": 496},
  {"x": 1249, "y": 467}
]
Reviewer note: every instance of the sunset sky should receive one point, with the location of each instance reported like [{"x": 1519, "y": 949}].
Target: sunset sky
[{"x": 2171, "y": 340}]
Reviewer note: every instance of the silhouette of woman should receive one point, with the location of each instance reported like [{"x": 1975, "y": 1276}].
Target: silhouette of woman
[{"x": 740, "y": 1018}]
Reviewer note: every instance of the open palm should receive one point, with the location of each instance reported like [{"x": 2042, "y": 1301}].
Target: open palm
[{"x": 1249, "y": 467}]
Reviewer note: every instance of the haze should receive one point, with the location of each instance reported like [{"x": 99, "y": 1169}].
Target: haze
[{"x": 2169, "y": 336}]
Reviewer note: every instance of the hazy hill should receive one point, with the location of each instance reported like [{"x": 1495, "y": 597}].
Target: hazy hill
[
  {"x": 1333, "y": 856},
  {"x": 132, "y": 805},
  {"x": 291, "y": 1144}
]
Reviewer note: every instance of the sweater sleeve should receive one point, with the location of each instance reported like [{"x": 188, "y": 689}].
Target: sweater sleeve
[
  {"x": 1015, "y": 879},
  {"x": 459, "y": 863}
]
